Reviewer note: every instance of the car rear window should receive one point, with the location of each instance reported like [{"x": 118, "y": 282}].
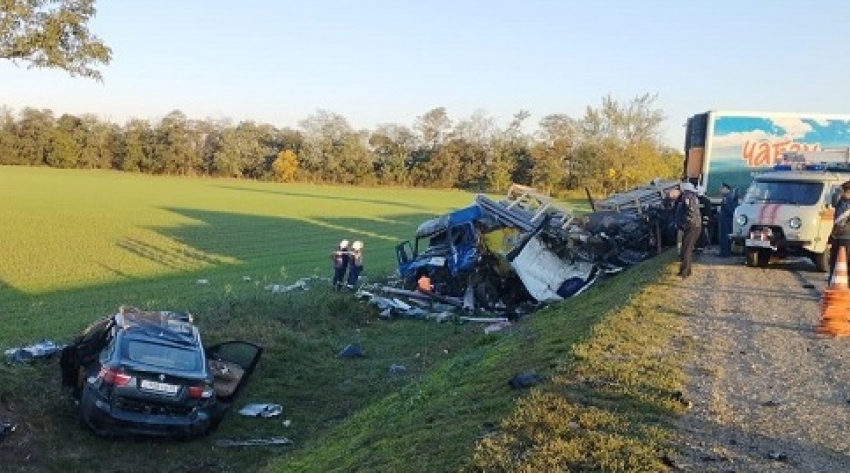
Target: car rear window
[{"x": 163, "y": 356}]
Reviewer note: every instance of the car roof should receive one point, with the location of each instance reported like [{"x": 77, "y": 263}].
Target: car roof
[{"x": 163, "y": 325}]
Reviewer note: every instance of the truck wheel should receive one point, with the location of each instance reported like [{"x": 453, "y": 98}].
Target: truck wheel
[
  {"x": 752, "y": 257},
  {"x": 821, "y": 260}
]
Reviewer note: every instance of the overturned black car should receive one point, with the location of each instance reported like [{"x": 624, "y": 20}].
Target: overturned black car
[{"x": 148, "y": 373}]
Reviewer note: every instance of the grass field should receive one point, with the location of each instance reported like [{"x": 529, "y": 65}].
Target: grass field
[{"x": 77, "y": 244}]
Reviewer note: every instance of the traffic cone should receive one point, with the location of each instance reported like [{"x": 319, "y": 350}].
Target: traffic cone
[{"x": 835, "y": 307}]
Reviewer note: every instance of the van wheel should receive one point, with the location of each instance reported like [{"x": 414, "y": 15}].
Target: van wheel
[
  {"x": 758, "y": 257},
  {"x": 752, "y": 257},
  {"x": 763, "y": 258},
  {"x": 821, "y": 260}
]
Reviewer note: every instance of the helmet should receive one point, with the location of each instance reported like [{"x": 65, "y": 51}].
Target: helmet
[
  {"x": 357, "y": 245},
  {"x": 688, "y": 187},
  {"x": 343, "y": 244}
]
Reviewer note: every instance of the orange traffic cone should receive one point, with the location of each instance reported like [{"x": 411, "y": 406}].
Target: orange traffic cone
[{"x": 835, "y": 308}]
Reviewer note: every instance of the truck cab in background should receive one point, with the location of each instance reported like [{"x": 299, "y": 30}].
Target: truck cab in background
[{"x": 789, "y": 210}]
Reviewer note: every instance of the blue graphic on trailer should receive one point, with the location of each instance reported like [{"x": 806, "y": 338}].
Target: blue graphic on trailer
[{"x": 741, "y": 145}]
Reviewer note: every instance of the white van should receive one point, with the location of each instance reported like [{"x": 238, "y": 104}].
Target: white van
[{"x": 789, "y": 211}]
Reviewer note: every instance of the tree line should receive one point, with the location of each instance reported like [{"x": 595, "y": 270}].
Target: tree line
[{"x": 611, "y": 147}]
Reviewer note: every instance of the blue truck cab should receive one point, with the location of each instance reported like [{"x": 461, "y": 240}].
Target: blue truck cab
[{"x": 445, "y": 249}]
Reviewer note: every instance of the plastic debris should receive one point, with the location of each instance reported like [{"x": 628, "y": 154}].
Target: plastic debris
[
  {"x": 40, "y": 349},
  {"x": 397, "y": 369},
  {"x": 525, "y": 380},
  {"x": 281, "y": 289},
  {"x": 352, "y": 351},
  {"x": 261, "y": 410},
  {"x": 6, "y": 429},
  {"x": 202, "y": 281},
  {"x": 497, "y": 327},
  {"x": 227, "y": 442}
]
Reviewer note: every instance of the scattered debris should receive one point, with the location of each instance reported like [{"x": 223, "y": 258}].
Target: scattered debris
[
  {"x": 227, "y": 442},
  {"x": 525, "y": 380},
  {"x": 6, "y": 429},
  {"x": 486, "y": 320},
  {"x": 352, "y": 351},
  {"x": 300, "y": 284},
  {"x": 40, "y": 349},
  {"x": 770, "y": 403},
  {"x": 246, "y": 278},
  {"x": 497, "y": 327},
  {"x": 777, "y": 456},
  {"x": 261, "y": 410},
  {"x": 202, "y": 281},
  {"x": 397, "y": 369},
  {"x": 680, "y": 397},
  {"x": 287, "y": 423}
]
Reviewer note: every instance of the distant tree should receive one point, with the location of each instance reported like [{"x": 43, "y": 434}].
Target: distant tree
[
  {"x": 135, "y": 147},
  {"x": 34, "y": 136},
  {"x": 285, "y": 167},
  {"x": 508, "y": 152},
  {"x": 176, "y": 142},
  {"x": 66, "y": 149},
  {"x": 52, "y": 34},
  {"x": 8, "y": 154},
  {"x": 391, "y": 145}
]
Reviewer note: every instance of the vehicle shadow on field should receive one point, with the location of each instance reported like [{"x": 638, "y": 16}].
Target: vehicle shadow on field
[
  {"x": 344, "y": 195},
  {"x": 249, "y": 238}
]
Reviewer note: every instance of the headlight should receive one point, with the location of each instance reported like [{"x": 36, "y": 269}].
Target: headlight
[
  {"x": 795, "y": 223},
  {"x": 741, "y": 220}
]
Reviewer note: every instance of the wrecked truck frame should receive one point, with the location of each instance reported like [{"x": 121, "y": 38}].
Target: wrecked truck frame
[{"x": 525, "y": 249}]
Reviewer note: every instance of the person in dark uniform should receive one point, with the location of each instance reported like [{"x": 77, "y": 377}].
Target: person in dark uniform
[
  {"x": 705, "y": 236},
  {"x": 340, "y": 259},
  {"x": 840, "y": 227},
  {"x": 728, "y": 203},
  {"x": 355, "y": 263},
  {"x": 689, "y": 220}
]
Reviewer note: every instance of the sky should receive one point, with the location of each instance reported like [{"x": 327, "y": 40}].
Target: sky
[{"x": 390, "y": 61}]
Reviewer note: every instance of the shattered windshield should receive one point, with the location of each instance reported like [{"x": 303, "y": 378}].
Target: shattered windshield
[{"x": 784, "y": 192}]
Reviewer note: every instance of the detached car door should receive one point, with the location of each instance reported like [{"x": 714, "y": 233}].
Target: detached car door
[{"x": 231, "y": 363}]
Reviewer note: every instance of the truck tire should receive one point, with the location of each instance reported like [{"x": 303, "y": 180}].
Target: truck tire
[{"x": 821, "y": 260}]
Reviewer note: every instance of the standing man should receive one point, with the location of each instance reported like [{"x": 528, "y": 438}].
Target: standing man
[
  {"x": 840, "y": 226},
  {"x": 340, "y": 259},
  {"x": 728, "y": 203},
  {"x": 356, "y": 263},
  {"x": 689, "y": 221}
]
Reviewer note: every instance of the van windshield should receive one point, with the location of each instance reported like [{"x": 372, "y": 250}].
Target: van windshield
[{"x": 784, "y": 192}]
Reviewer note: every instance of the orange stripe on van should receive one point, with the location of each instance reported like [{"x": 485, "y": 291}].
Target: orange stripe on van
[{"x": 827, "y": 215}]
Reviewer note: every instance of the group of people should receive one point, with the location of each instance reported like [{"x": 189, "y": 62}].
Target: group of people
[
  {"x": 350, "y": 260},
  {"x": 690, "y": 208}
]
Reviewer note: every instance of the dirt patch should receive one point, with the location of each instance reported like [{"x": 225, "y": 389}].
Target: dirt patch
[
  {"x": 18, "y": 448},
  {"x": 768, "y": 393}
]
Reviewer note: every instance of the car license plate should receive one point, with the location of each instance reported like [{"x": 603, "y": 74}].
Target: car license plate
[
  {"x": 759, "y": 243},
  {"x": 159, "y": 387}
]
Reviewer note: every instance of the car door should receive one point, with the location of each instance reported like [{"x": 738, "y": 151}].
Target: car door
[{"x": 231, "y": 363}]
